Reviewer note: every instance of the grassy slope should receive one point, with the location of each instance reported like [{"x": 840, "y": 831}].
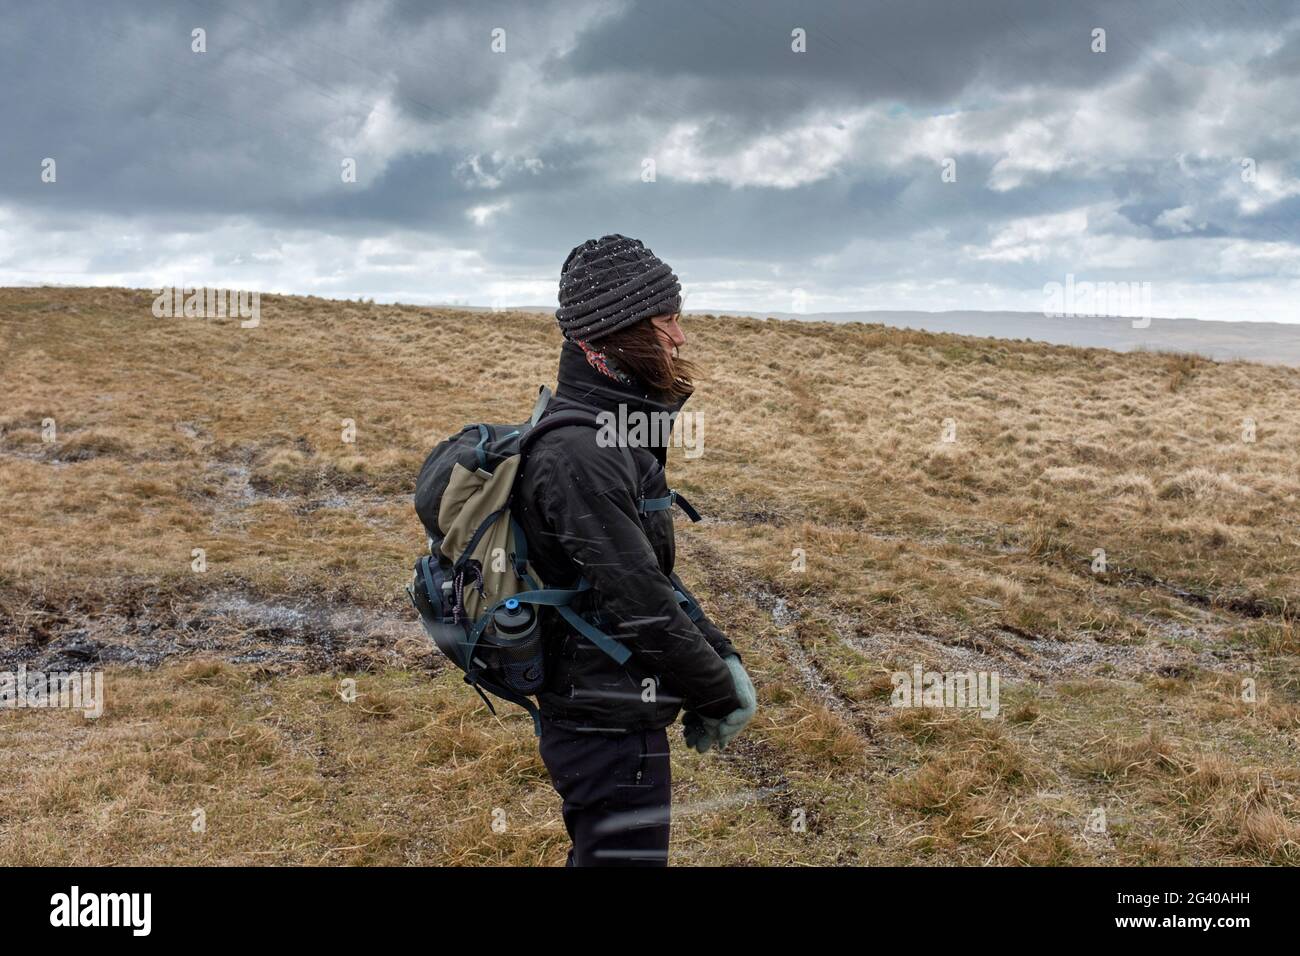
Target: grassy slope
[{"x": 1120, "y": 690}]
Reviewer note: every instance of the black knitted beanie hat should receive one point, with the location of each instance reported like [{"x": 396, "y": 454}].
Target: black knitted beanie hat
[{"x": 609, "y": 283}]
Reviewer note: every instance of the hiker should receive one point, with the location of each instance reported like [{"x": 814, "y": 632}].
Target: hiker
[{"x": 582, "y": 504}]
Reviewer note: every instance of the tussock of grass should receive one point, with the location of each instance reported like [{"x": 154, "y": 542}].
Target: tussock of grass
[
  {"x": 972, "y": 784},
  {"x": 1121, "y": 758}
]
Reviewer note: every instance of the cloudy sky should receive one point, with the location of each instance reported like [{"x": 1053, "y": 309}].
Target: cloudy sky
[{"x": 782, "y": 180}]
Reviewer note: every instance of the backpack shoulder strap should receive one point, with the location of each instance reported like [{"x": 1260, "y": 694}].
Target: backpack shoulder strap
[
  {"x": 551, "y": 422},
  {"x": 544, "y": 423},
  {"x": 646, "y": 505},
  {"x": 543, "y": 399}
]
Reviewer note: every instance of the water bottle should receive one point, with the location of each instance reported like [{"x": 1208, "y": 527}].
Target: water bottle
[
  {"x": 514, "y": 621},
  {"x": 518, "y": 646}
]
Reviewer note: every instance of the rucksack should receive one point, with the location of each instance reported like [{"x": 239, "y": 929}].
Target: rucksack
[{"x": 475, "y": 592}]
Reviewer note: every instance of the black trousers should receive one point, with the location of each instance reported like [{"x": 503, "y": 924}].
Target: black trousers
[{"x": 617, "y": 794}]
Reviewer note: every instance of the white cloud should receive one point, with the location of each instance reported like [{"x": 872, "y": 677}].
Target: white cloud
[
  {"x": 1178, "y": 219},
  {"x": 1032, "y": 238},
  {"x": 784, "y": 160},
  {"x": 491, "y": 172},
  {"x": 481, "y": 215}
]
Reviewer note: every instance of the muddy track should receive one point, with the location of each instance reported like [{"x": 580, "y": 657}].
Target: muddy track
[
  {"x": 786, "y": 614},
  {"x": 758, "y": 762},
  {"x": 1249, "y": 606},
  {"x": 1011, "y": 650},
  {"x": 1245, "y": 606},
  {"x": 144, "y": 627}
]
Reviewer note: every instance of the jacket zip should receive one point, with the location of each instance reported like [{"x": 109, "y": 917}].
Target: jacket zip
[{"x": 641, "y": 766}]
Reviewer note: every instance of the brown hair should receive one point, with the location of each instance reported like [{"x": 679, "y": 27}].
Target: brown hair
[{"x": 639, "y": 350}]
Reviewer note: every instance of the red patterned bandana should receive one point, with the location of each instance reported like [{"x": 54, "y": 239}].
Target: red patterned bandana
[{"x": 602, "y": 363}]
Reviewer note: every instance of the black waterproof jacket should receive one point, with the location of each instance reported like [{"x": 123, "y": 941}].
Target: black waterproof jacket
[{"x": 577, "y": 504}]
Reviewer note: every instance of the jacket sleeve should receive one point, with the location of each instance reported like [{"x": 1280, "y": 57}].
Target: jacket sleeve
[
  {"x": 594, "y": 516},
  {"x": 717, "y": 640}
]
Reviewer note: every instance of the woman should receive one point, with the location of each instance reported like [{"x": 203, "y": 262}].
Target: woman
[{"x": 579, "y": 500}]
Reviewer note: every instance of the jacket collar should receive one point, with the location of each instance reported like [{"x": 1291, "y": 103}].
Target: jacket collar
[{"x": 579, "y": 382}]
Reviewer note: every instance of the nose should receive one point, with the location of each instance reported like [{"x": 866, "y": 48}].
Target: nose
[{"x": 677, "y": 334}]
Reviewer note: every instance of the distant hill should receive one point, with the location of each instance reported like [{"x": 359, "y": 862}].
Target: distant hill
[{"x": 1272, "y": 342}]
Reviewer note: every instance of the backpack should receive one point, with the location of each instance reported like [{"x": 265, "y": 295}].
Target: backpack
[{"x": 475, "y": 592}]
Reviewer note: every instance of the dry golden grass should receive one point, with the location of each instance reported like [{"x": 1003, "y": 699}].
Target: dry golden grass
[{"x": 1122, "y": 690}]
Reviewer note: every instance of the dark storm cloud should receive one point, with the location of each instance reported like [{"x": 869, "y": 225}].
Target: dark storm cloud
[
  {"x": 773, "y": 168},
  {"x": 924, "y": 53},
  {"x": 137, "y": 120}
]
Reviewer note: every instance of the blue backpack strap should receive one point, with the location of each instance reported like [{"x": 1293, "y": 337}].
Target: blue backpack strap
[
  {"x": 543, "y": 399},
  {"x": 559, "y": 598},
  {"x": 563, "y": 596},
  {"x": 693, "y": 610},
  {"x": 685, "y": 599},
  {"x": 602, "y": 640},
  {"x": 478, "y": 449},
  {"x": 646, "y": 505}
]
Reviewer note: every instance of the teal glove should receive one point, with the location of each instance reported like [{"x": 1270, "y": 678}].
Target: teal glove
[
  {"x": 704, "y": 733},
  {"x": 701, "y": 733},
  {"x": 735, "y": 721}
]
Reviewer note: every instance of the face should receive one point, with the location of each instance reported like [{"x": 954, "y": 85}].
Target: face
[{"x": 671, "y": 335}]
